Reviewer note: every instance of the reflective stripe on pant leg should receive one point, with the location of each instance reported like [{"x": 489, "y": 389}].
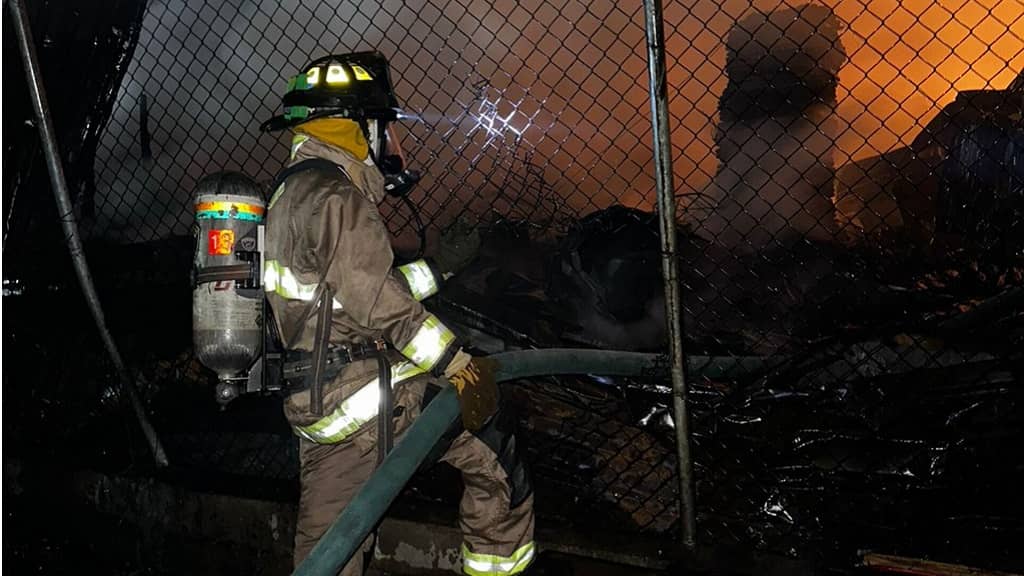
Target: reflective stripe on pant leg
[
  {"x": 491, "y": 565},
  {"x": 496, "y": 535}
]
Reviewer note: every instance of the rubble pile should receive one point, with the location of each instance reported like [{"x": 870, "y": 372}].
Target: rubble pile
[{"x": 896, "y": 395}]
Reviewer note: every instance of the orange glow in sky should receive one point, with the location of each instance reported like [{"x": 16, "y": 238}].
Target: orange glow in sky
[{"x": 908, "y": 59}]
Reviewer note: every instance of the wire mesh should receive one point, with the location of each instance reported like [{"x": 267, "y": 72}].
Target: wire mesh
[
  {"x": 850, "y": 185},
  {"x": 513, "y": 117}
]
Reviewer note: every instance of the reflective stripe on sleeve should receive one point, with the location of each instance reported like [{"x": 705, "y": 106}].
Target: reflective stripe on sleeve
[
  {"x": 356, "y": 410},
  {"x": 491, "y": 565},
  {"x": 420, "y": 278},
  {"x": 428, "y": 345},
  {"x": 282, "y": 281}
]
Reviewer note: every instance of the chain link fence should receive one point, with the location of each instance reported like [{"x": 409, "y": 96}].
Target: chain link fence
[
  {"x": 513, "y": 117},
  {"x": 850, "y": 189}
]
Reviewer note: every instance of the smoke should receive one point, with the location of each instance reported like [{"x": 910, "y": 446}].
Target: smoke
[
  {"x": 906, "y": 61},
  {"x": 776, "y": 134},
  {"x": 539, "y": 110}
]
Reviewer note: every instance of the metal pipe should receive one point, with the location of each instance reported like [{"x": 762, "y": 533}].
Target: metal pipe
[
  {"x": 37, "y": 94},
  {"x": 367, "y": 508},
  {"x": 669, "y": 264}
]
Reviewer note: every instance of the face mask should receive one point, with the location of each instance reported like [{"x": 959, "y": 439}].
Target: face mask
[{"x": 387, "y": 152}]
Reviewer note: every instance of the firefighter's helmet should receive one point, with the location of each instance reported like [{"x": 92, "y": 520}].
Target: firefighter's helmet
[
  {"x": 355, "y": 86},
  {"x": 358, "y": 87}
]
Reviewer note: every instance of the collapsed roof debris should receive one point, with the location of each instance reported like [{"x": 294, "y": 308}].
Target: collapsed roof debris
[
  {"x": 961, "y": 181},
  {"x": 880, "y": 411}
]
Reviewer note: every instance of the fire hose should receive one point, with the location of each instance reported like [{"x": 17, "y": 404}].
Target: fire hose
[{"x": 363, "y": 513}]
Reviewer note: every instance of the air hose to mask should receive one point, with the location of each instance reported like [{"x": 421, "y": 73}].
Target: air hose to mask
[
  {"x": 421, "y": 230},
  {"x": 365, "y": 511},
  {"x": 398, "y": 185}
]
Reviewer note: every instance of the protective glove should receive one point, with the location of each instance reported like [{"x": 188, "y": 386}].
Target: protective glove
[
  {"x": 477, "y": 388},
  {"x": 457, "y": 247}
]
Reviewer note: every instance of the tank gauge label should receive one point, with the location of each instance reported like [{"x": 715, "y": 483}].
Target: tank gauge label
[{"x": 221, "y": 242}]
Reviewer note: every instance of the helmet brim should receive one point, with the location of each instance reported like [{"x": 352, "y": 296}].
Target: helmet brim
[
  {"x": 282, "y": 122},
  {"x": 363, "y": 92}
]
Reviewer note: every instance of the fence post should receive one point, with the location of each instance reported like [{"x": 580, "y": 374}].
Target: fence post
[
  {"x": 673, "y": 300},
  {"x": 37, "y": 94}
]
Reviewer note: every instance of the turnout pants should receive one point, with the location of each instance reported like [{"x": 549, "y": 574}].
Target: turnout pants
[{"x": 496, "y": 511}]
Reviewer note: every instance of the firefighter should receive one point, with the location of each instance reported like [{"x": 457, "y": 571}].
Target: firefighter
[{"x": 358, "y": 340}]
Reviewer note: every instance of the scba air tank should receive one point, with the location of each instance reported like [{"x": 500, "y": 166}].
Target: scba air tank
[{"x": 227, "y": 299}]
